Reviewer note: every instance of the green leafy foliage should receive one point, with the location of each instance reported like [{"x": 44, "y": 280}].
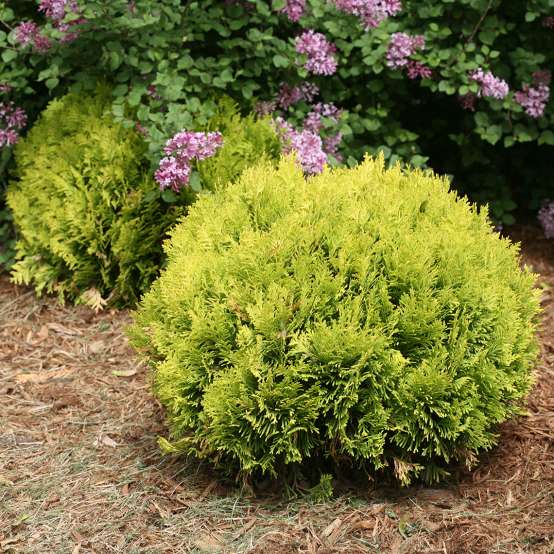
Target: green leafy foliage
[
  {"x": 7, "y": 231},
  {"x": 366, "y": 314},
  {"x": 191, "y": 52}
]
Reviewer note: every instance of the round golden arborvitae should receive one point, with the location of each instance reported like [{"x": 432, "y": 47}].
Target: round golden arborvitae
[{"x": 363, "y": 314}]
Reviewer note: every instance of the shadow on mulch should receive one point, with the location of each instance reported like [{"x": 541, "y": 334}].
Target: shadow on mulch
[{"x": 80, "y": 470}]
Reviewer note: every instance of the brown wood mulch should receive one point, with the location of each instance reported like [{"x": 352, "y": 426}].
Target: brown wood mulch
[{"x": 80, "y": 470}]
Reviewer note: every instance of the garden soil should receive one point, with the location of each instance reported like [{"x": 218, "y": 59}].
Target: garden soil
[{"x": 80, "y": 469}]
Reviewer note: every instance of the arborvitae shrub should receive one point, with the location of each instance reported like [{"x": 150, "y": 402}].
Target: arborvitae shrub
[
  {"x": 91, "y": 218},
  {"x": 366, "y": 315}
]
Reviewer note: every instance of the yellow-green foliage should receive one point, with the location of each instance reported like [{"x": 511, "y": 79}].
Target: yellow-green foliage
[
  {"x": 90, "y": 216},
  {"x": 365, "y": 314},
  {"x": 246, "y": 141}
]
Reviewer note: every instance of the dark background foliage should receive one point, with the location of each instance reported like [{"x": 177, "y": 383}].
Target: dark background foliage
[{"x": 168, "y": 59}]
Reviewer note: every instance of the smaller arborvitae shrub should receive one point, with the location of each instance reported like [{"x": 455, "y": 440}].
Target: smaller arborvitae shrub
[
  {"x": 90, "y": 216},
  {"x": 246, "y": 141},
  {"x": 364, "y": 315}
]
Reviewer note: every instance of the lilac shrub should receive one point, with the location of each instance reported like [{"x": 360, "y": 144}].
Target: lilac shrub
[
  {"x": 448, "y": 84},
  {"x": 305, "y": 144},
  {"x": 182, "y": 151},
  {"x": 401, "y": 47},
  {"x": 371, "y": 12},
  {"x": 319, "y": 52},
  {"x": 12, "y": 120},
  {"x": 489, "y": 85},
  {"x": 533, "y": 98},
  {"x": 25, "y": 33},
  {"x": 294, "y": 9}
]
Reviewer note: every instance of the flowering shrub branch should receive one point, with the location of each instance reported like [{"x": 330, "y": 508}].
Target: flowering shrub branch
[{"x": 181, "y": 151}]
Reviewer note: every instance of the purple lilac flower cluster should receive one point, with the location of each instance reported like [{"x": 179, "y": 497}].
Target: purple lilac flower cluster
[
  {"x": 371, "y": 12},
  {"x": 314, "y": 122},
  {"x": 57, "y": 9},
  {"x": 70, "y": 30},
  {"x": 331, "y": 146},
  {"x": 28, "y": 32},
  {"x": 542, "y": 77},
  {"x": 491, "y": 86},
  {"x": 314, "y": 119},
  {"x": 185, "y": 147},
  {"x": 401, "y": 47},
  {"x": 288, "y": 96},
  {"x": 320, "y": 53},
  {"x": 546, "y": 219},
  {"x": 533, "y": 98},
  {"x": 294, "y": 9},
  {"x": 25, "y": 32},
  {"x": 265, "y": 107},
  {"x": 307, "y": 146},
  {"x": 418, "y": 70},
  {"x": 12, "y": 120}
]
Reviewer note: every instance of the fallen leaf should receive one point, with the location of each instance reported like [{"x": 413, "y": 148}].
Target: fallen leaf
[
  {"x": 364, "y": 524},
  {"x": 124, "y": 372},
  {"x": 331, "y": 527},
  {"x": 93, "y": 299},
  {"x": 125, "y": 490},
  {"x": 43, "y": 376},
  {"x": 43, "y": 333},
  {"x": 106, "y": 441},
  {"x": 96, "y": 347}
]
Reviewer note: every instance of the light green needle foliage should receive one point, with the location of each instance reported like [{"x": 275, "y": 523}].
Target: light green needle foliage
[
  {"x": 90, "y": 216},
  {"x": 246, "y": 141},
  {"x": 366, "y": 314}
]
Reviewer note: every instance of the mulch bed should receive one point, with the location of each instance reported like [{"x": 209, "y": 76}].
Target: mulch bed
[{"x": 80, "y": 470}]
